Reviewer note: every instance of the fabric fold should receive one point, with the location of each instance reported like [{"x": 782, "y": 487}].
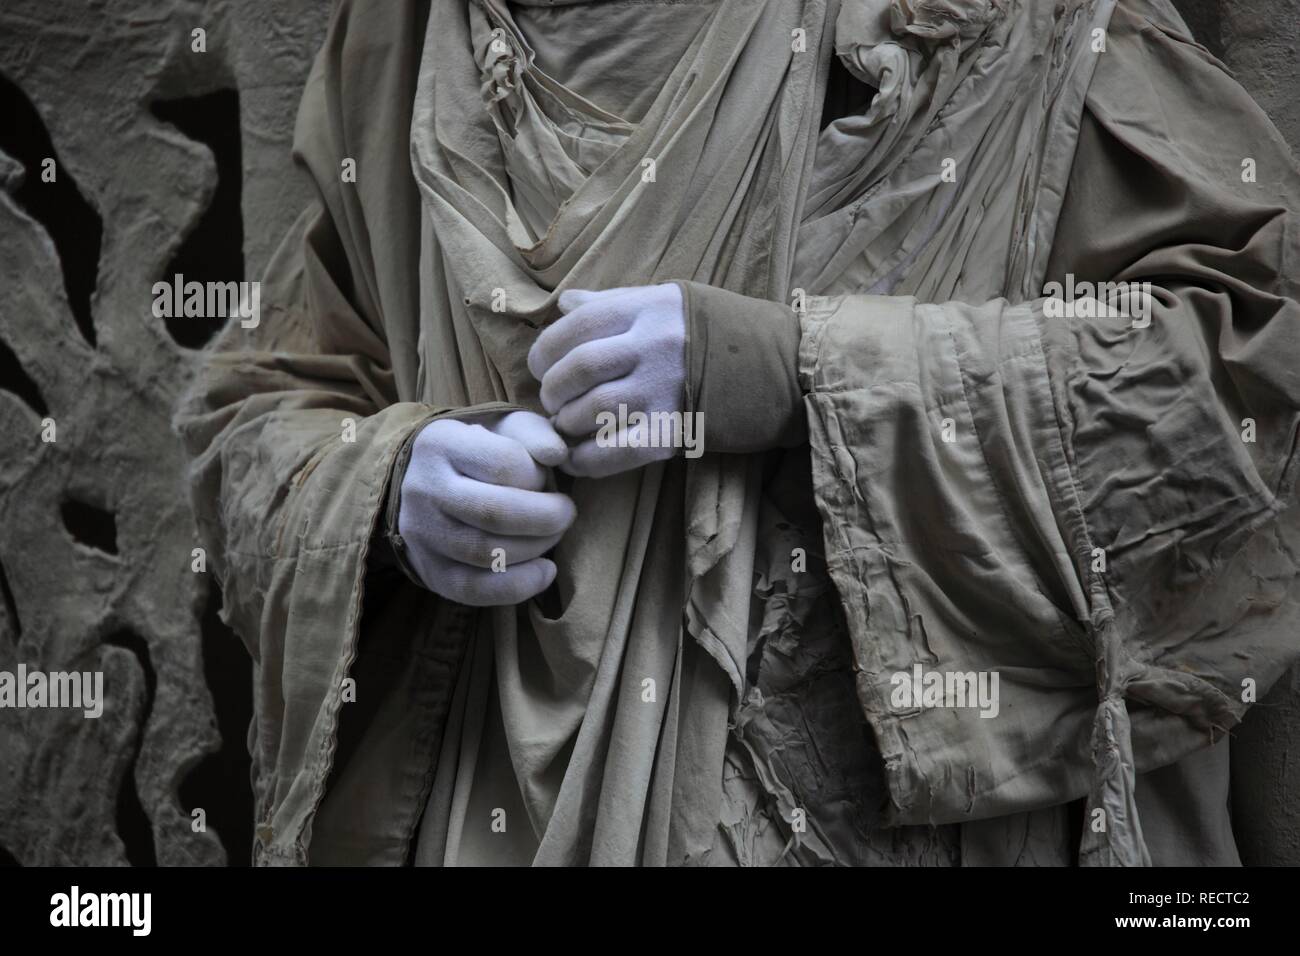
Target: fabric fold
[{"x": 997, "y": 492}]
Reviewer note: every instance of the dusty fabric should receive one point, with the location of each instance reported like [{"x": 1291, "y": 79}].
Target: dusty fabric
[
  {"x": 1068, "y": 435},
  {"x": 513, "y": 187},
  {"x": 592, "y": 779},
  {"x": 287, "y": 508},
  {"x": 597, "y": 763},
  {"x": 743, "y": 371}
]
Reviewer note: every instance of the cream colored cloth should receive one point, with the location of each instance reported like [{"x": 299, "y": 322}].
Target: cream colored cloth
[{"x": 748, "y": 745}]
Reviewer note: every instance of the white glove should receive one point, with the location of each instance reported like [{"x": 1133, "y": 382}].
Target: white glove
[
  {"x": 616, "y": 347},
  {"x": 471, "y": 489}
]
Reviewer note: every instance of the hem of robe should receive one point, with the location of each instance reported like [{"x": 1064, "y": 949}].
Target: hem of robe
[{"x": 332, "y": 552}]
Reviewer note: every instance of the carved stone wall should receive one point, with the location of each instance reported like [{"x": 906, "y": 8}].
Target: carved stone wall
[{"x": 167, "y": 160}]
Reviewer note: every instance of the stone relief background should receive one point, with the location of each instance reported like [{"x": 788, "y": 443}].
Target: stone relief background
[{"x": 174, "y": 161}]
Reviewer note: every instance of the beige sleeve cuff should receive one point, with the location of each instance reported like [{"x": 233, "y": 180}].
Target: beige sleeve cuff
[{"x": 742, "y": 364}]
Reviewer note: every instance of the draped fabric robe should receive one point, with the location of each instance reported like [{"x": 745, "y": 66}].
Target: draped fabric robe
[{"x": 969, "y": 457}]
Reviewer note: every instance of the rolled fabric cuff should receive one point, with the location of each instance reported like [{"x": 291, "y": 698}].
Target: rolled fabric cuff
[
  {"x": 388, "y": 549},
  {"x": 742, "y": 367}
]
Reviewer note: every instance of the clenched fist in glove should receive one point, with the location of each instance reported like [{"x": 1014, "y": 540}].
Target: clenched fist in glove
[
  {"x": 471, "y": 489},
  {"x": 617, "y": 347}
]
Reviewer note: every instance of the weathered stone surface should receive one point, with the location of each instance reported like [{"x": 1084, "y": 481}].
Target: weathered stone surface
[{"x": 91, "y": 69}]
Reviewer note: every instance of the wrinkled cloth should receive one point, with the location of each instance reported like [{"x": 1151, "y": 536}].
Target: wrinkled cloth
[
  {"x": 1080, "y": 527},
  {"x": 749, "y": 745}
]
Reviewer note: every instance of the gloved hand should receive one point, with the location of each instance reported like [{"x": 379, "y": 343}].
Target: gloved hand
[
  {"x": 616, "y": 347},
  {"x": 472, "y": 488}
]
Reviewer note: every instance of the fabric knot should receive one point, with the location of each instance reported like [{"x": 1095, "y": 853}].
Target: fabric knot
[
  {"x": 938, "y": 20},
  {"x": 1112, "y": 834}
]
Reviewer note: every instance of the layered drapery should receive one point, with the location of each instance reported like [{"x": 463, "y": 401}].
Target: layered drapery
[{"x": 685, "y": 693}]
